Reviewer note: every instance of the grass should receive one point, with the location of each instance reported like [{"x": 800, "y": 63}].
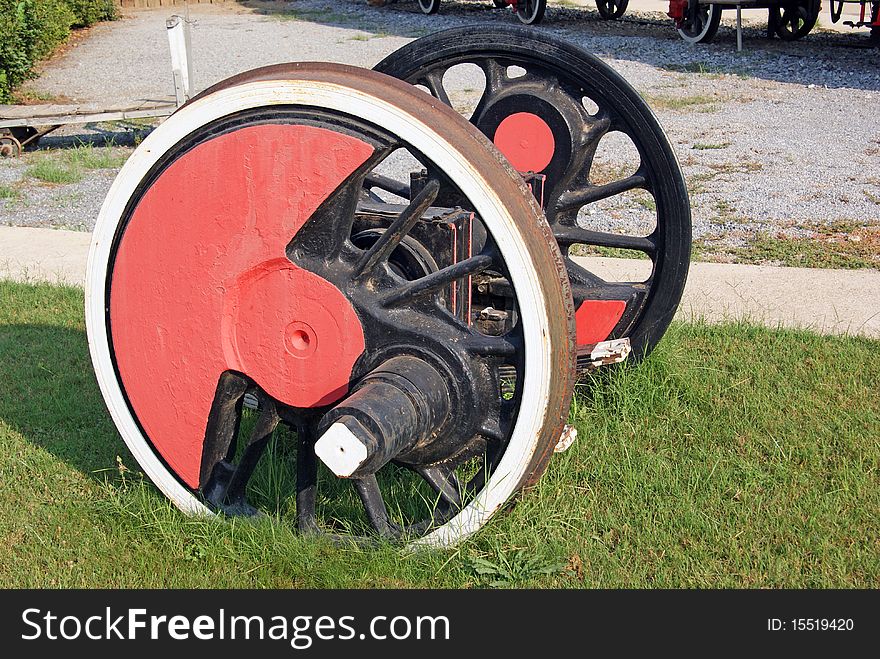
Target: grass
[
  {"x": 694, "y": 103},
  {"x": 706, "y": 146},
  {"x": 734, "y": 457},
  {"x": 69, "y": 165},
  {"x": 8, "y": 192},
  {"x": 844, "y": 245},
  {"x": 708, "y": 71}
]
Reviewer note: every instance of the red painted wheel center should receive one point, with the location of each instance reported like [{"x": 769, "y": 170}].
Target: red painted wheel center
[
  {"x": 526, "y": 141},
  {"x": 201, "y": 284}
]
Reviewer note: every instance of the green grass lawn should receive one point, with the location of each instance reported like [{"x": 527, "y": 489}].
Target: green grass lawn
[{"x": 734, "y": 457}]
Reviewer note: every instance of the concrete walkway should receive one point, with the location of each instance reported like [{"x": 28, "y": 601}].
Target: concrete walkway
[{"x": 827, "y": 301}]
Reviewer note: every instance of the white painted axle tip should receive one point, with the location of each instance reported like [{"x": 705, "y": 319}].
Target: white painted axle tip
[{"x": 341, "y": 450}]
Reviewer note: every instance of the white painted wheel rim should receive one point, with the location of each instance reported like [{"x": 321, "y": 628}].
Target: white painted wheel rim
[{"x": 538, "y": 371}]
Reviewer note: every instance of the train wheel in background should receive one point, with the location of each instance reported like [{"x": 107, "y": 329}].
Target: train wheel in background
[
  {"x": 701, "y": 22},
  {"x": 535, "y": 109},
  {"x": 611, "y": 9},
  {"x": 794, "y": 19}
]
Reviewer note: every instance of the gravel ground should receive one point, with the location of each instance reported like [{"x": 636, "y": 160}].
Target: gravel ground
[{"x": 779, "y": 138}]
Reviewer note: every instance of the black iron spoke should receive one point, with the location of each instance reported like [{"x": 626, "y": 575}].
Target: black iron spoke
[
  {"x": 493, "y": 346},
  {"x": 495, "y": 77},
  {"x": 437, "y": 280},
  {"x": 433, "y": 80},
  {"x": 389, "y": 239},
  {"x": 575, "y": 199},
  {"x": 490, "y": 461},
  {"x": 374, "y": 180},
  {"x": 444, "y": 482},
  {"x": 306, "y": 482},
  {"x": 625, "y": 291},
  {"x": 223, "y": 423},
  {"x": 236, "y": 491},
  {"x": 566, "y": 235},
  {"x": 374, "y": 505},
  {"x": 329, "y": 227}
]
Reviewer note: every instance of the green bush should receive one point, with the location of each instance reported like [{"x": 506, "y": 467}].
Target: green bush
[
  {"x": 31, "y": 29},
  {"x": 88, "y": 12}
]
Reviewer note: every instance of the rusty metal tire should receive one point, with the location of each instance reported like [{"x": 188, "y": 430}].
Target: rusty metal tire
[{"x": 523, "y": 238}]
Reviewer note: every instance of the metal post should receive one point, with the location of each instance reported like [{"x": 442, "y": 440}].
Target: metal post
[
  {"x": 739, "y": 28},
  {"x": 181, "y": 67}
]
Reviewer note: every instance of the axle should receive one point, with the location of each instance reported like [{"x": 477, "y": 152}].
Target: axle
[{"x": 397, "y": 407}]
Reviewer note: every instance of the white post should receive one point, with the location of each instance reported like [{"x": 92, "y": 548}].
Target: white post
[{"x": 181, "y": 67}]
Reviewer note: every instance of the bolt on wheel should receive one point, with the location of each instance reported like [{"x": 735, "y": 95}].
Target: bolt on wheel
[
  {"x": 551, "y": 108},
  {"x": 249, "y": 318}
]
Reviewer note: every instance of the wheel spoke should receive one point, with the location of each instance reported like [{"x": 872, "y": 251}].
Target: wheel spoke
[
  {"x": 306, "y": 482},
  {"x": 626, "y": 291},
  {"x": 391, "y": 237},
  {"x": 329, "y": 227},
  {"x": 236, "y": 495},
  {"x": 223, "y": 423},
  {"x": 227, "y": 487},
  {"x": 490, "y": 461},
  {"x": 575, "y": 199},
  {"x": 374, "y": 180},
  {"x": 374, "y": 505},
  {"x": 437, "y": 280},
  {"x": 576, "y": 235},
  {"x": 493, "y": 346},
  {"x": 433, "y": 80},
  {"x": 444, "y": 482}
]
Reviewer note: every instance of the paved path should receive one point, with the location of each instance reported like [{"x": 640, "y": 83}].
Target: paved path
[{"x": 828, "y": 301}]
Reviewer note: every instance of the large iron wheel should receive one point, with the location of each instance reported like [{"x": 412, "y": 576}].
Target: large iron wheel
[
  {"x": 231, "y": 262},
  {"x": 701, "y": 22},
  {"x": 793, "y": 20},
  {"x": 611, "y": 9},
  {"x": 540, "y": 122}
]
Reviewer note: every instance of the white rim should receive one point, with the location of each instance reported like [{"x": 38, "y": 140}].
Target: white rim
[
  {"x": 528, "y": 18},
  {"x": 538, "y": 369},
  {"x": 696, "y": 38}
]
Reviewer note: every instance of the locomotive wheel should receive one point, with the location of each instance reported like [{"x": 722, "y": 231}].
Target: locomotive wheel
[
  {"x": 226, "y": 264},
  {"x": 547, "y": 101},
  {"x": 794, "y": 20},
  {"x": 530, "y": 12},
  {"x": 701, "y": 23},
  {"x": 429, "y": 6},
  {"x": 611, "y": 9}
]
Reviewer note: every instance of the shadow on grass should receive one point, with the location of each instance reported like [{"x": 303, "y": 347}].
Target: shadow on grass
[{"x": 51, "y": 397}]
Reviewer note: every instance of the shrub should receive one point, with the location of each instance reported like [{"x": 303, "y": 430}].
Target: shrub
[
  {"x": 88, "y": 12},
  {"x": 31, "y": 29}
]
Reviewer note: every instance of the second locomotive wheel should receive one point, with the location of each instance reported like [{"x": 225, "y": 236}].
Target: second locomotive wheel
[
  {"x": 236, "y": 256},
  {"x": 548, "y": 106}
]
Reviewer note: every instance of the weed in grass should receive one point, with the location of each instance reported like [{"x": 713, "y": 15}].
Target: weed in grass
[
  {"x": 516, "y": 568},
  {"x": 87, "y": 156},
  {"x": 50, "y": 170},
  {"x": 843, "y": 245},
  {"x": 695, "y": 103},
  {"x": 706, "y": 146},
  {"x": 9, "y": 192}
]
